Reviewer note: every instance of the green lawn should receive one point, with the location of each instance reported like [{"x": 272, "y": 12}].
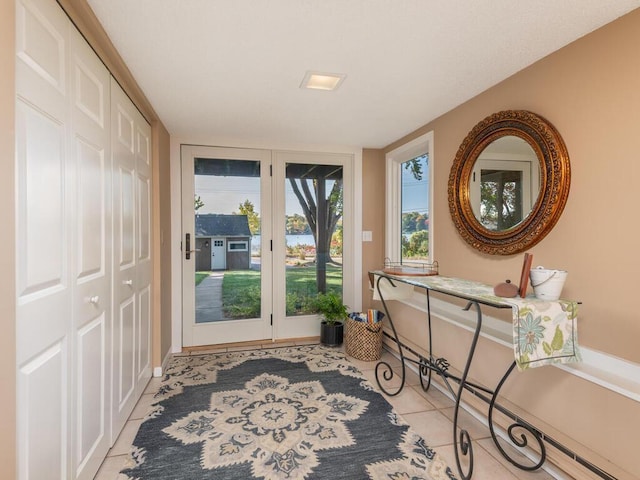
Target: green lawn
[{"x": 241, "y": 290}]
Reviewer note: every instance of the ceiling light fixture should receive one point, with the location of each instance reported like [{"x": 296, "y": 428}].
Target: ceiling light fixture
[{"x": 322, "y": 81}]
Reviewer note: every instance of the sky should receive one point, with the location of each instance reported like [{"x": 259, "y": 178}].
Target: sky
[
  {"x": 415, "y": 193},
  {"x": 225, "y": 194}
]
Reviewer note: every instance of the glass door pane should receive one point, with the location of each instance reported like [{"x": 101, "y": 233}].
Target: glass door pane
[
  {"x": 227, "y": 239},
  {"x": 500, "y": 198},
  {"x": 313, "y": 234}
]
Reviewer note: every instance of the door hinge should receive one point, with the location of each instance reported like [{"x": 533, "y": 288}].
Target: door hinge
[
  {"x": 271, "y": 245},
  {"x": 272, "y": 319},
  {"x": 271, "y": 170}
]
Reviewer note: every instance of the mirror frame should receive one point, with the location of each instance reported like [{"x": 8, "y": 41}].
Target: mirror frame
[{"x": 555, "y": 179}]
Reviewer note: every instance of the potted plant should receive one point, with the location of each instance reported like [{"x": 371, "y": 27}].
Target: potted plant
[{"x": 330, "y": 306}]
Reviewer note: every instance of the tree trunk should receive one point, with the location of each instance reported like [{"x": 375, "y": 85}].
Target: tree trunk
[{"x": 322, "y": 247}]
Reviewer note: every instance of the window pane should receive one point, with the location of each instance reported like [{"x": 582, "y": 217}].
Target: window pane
[{"x": 415, "y": 209}]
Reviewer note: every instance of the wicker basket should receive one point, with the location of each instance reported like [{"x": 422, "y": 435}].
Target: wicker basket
[{"x": 363, "y": 340}]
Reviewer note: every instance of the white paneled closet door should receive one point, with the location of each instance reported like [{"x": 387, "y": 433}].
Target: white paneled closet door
[
  {"x": 43, "y": 251},
  {"x": 131, "y": 149},
  {"x": 92, "y": 230},
  {"x": 64, "y": 256},
  {"x": 83, "y": 254}
]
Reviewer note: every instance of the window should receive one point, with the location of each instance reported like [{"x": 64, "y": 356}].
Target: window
[
  {"x": 237, "y": 246},
  {"x": 409, "y": 235}
]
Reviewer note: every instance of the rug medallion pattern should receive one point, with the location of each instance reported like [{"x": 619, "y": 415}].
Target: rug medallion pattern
[{"x": 299, "y": 413}]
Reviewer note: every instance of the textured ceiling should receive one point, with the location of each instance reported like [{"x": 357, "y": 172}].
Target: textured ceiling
[{"x": 230, "y": 70}]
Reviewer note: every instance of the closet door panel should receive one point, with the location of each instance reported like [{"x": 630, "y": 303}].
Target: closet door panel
[
  {"x": 43, "y": 414},
  {"x": 144, "y": 218},
  {"x": 42, "y": 211},
  {"x": 144, "y": 265},
  {"x": 124, "y": 334},
  {"x": 41, "y": 51},
  {"x": 124, "y": 360},
  {"x": 90, "y": 85},
  {"x": 91, "y": 441},
  {"x": 43, "y": 253},
  {"x": 143, "y": 360},
  {"x": 132, "y": 253}
]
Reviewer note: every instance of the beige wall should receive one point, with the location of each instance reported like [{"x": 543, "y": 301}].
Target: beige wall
[
  {"x": 162, "y": 250},
  {"x": 7, "y": 242},
  {"x": 373, "y": 167},
  {"x": 590, "y": 91}
]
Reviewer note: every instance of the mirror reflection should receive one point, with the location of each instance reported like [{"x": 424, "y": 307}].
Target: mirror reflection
[
  {"x": 504, "y": 183},
  {"x": 509, "y": 182}
]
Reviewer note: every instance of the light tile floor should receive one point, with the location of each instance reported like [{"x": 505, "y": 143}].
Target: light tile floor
[{"x": 428, "y": 413}]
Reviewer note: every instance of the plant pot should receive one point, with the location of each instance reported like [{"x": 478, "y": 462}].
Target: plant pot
[{"x": 331, "y": 334}]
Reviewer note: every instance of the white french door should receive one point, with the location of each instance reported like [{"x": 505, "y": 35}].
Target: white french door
[
  {"x": 263, "y": 233},
  {"x": 226, "y": 193},
  {"x": 313, "y": 234}
]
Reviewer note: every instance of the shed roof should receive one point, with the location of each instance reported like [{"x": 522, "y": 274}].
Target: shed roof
[{"x": 219, "y": 225}]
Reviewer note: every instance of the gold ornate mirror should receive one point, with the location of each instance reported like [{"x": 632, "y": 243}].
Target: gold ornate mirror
[{"x": 509, "y": 182}]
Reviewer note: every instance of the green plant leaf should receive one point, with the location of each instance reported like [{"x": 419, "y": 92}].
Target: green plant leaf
[
  {"x": 330, "y": 306},
  {"x": 547, "y": 348}
]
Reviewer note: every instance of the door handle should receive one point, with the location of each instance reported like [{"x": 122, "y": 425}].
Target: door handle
[{"x": 188, "y": 250}]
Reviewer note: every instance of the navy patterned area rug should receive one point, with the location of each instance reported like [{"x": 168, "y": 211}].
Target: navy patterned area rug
[{"x": 298, "y": 413}]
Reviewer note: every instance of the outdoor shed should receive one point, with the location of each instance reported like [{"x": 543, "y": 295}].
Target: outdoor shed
[{"x": 223, "y": 242}]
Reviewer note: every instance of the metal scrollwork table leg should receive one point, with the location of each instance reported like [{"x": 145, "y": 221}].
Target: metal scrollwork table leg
[
  {"x": 463, "y": 446},
  {"x": 382, "y": 366}
]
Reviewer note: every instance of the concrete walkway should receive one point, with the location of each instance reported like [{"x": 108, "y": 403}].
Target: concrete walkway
[
  {"x": 209, "y": 296},
  {"x": 209, "y": 299}
]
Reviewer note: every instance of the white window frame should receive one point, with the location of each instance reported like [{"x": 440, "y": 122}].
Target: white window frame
[
  {"x": 237, "y": 242},
  {"x": 394, "y": 160}
]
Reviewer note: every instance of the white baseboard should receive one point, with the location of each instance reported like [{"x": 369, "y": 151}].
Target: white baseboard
[
  {"x": 157, "y": 371},
  {"x": 607, "y": 371}
]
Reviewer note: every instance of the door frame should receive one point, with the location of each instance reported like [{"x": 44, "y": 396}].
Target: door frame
[{"x": 352, "y": 290}]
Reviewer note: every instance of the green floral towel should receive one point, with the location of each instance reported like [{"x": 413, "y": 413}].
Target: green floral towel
[{"x": 544, "y": 332}]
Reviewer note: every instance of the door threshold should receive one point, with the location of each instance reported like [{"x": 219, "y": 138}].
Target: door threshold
[{"x": 252, "y": 345}]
